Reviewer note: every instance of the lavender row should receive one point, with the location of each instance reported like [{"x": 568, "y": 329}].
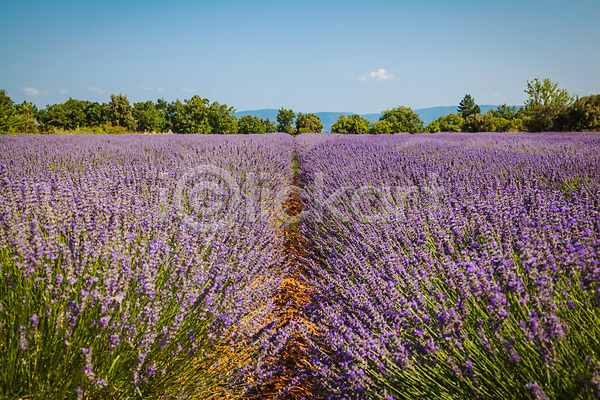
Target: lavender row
[
  {"x": 138, "y": 265},
  {"x": 454, "y": 266}
]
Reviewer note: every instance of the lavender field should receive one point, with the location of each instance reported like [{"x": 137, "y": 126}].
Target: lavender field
[
  {"x": 442, "y": 266},
  {"x": 455, "y": 266},
  {"x": 120, "y": 278}
]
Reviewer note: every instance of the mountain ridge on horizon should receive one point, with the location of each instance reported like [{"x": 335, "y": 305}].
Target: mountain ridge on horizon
[{"x": 328, "y": 118}]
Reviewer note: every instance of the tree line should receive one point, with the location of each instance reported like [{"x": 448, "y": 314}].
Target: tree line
[{"x": 548, "y": 108}]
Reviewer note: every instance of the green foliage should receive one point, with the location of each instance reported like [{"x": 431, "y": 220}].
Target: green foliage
[
  {"x": 582, "y": 115},
  {"x": 508, "y": 118},
  {"x": 148, "y": 117},
  {"x": 467, "y": 107},
  {"x": 120, "y": 112},
  {"x": 545, "y": 102},
  {"x": 249, "y": 124},
  {"x": 479, "y": 123},
  {"x": 307, "y": 123},
  {"x": 73, "y": 114},
  {"x": 508, "y": 112},
  {"x": 508, "y": 125},
  {"x": 191, "y": 116},
  {"x": 433, "y": 127},
  {"x": 403, "y": 119},
  {"x": 197, "y": 115},
  {"x": 25, "y": 118},
  {"x": 7, "y": 113},
  {"x": 447, "y": 123},
  {"x": 96, "y": 113},
  {"x": 285, "y": 121},
  {"x": 269, "y": 125},
  {"x": 353, "y": 124},
  {"x": 221, "y": 119},
  {"x": 381, "y": 127}
]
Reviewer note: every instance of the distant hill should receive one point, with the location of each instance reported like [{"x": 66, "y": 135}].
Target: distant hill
[{"x": 328, "y": 118}]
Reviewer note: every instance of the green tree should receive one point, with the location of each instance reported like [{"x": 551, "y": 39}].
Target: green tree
[
  {"x": 353, "y": 124},
  {"x": 7, "y": 113},
  {"x": 25, "y": 118},
  {"x": 447, "y": 123},
  {"x": 306, "y": 123},
  {"x": 507, "y": 112},
  {"x": 433, "y": 127},
  {"x": 221, "y": 119},
  {"x": 285, "y": 120},
  {"x": 582, "y": 115},
  {"x": 96, "y": 114},
  {"x": 402, "y": 119},
  {"x": 148, "y": 117},
  {"x": 381, "y": 127},
  {"x": 508, "y": 118},
  {"x": 479, "y": 123},
  {"x": 468, "y": 107},
  {"x": 269, "y": 125},
  {"x": 546, "y": 101},
  {"x": 191, "y": 116},
  {"x": 249, "y": 124},
  {"x": 120, "y": 112},
  {"x": 69, "y": 115}
]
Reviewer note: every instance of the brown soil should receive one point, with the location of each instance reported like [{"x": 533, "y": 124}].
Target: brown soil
[{"x": 290, "y": 301}]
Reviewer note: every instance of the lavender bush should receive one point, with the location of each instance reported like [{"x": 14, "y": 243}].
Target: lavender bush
[
  {"x": 454, "y": 266},
  {"x": 138, "y": 266}
]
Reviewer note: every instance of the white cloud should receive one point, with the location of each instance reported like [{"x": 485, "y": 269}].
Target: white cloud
[
  {"x": 96, "y": 90},
  {"x": 188, "y": 90},
  {"x": 64, "y": 91},
  {"x": 160, "y": 89},
  {"x": 146, "y": 88},
  {"x": 31, "y": 91},
  {"x": 379, "y": 75}
]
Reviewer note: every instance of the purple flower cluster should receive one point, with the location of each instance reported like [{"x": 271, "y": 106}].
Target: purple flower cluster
[
  {"x": 454, "y": 265},
  {"x": 140, "y": 264}
]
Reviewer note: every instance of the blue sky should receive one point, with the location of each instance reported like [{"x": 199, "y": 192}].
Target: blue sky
[{"x": 310, "y": 56}]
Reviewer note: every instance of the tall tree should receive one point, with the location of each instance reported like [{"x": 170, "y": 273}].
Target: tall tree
[
  {"x": 7, "y": 113},
  {"x": 269, "y": 125},
  {"x": 306, "y": 123},
  {"x": 468, "y": 107},
  {"x": 147, "y": 117},
  {"x": 221, "y": 119},
  {"x": 25, "y": 118},
  {"x": 120, "y": 112},
  {"x": 402, "y": 119},
  {"x": 546, "y": 101},
  {"x": 191, "y": 116},
  {"x": 285, "y": 120}
]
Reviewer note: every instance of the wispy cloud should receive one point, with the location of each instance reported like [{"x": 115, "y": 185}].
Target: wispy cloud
[
  {"x": 188, "y": 90},
  {"x": 146, "y": 88},
  {"x": 31, "y": 91},
  {"x": 379, "y": 75},
  {"x": 96, "y": 90},
  {"x": 64, "y": 91},
  {"x": 160, "y": 89}
]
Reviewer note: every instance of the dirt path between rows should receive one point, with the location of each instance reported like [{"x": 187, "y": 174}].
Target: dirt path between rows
[{"x": 294, "y": 360}]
